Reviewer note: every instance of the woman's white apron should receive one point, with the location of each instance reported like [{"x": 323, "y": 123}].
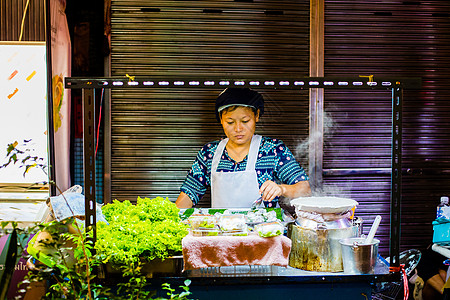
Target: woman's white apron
[{"x": 235, "y": 189}]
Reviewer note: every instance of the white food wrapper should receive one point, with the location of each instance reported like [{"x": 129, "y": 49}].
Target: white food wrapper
[{"x": 72, "y": 204}]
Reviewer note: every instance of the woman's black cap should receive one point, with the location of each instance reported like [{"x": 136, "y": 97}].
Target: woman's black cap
[{"x": 239, "y": 96}]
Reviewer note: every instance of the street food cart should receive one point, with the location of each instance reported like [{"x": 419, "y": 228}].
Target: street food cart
[{"x": 263, "y": 281}]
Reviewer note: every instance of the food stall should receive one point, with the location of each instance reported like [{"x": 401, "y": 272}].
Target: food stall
[{"x": 284, "y": 274}]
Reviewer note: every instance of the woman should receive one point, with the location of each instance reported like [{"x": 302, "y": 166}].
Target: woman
[{"x": 244, "y": 166}]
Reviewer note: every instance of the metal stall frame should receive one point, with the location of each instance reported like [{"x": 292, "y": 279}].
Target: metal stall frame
[{"x": 396, "y": 85}]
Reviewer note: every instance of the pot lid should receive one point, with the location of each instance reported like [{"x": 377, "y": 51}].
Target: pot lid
[{"x": 324, "y": 205}]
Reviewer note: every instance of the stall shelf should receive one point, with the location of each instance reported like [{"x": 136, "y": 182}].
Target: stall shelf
[{"x": 346, "y": 285}]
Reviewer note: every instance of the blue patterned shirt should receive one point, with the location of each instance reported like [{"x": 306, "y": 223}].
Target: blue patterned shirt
[{"x": 275, "y": 162}]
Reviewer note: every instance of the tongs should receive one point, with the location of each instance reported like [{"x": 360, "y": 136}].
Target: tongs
[{"x": 256, "y": 203}]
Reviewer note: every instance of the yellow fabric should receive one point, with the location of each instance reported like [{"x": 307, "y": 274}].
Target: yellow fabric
[
  {"x": 418, "y": 287},
  {"x": 446, "y": 285}
]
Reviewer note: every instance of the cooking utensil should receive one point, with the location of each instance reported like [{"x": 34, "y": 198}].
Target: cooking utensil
[
  {"x": 256, "y": 203},
  {"x": 318, "y": 249},
  {"x": 373, "y": 230}
]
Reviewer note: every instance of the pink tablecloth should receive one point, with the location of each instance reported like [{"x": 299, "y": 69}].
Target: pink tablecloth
[{"x": 218, "y": 251}]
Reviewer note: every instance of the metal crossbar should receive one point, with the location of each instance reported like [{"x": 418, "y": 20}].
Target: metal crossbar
[{"x": 354, "y": 82}]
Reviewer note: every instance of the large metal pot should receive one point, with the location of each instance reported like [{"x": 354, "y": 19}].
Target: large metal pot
[
  {"x": 320, "y": 223},
  {"x": 318, "y": 249}
]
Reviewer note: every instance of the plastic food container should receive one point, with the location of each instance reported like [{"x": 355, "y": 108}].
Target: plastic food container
[
  {"x": 202, "y": 222},
  {"x": 261, "y": 216},
  {"x": 269, "y": 229},
  {"x": 232, "y": 223},
  {"x": 242, "y": 232}
]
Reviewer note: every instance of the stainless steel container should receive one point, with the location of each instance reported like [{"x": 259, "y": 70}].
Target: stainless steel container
[
  {"x": 316, "y": 247},
  {"x": 358, "y": 257}
]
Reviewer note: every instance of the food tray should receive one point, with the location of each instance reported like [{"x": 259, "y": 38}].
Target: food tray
[
  {"x": 206, "y": 232},
  {"x": 235, "y": 271},
  {"x": 186, "y": 213}
]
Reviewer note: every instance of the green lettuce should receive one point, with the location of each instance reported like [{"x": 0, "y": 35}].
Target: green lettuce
[{"x": 149, "y": 230}]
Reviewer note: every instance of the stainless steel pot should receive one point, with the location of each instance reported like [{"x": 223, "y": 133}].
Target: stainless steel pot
[
  {"x": 318, "y": 249},
  {"x": 321, "y": 222},
  {"x": 359, "y": 257}
]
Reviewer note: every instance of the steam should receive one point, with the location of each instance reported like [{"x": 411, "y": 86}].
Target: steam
[
  {"x": 301, "y": 153},
  {"x": 332, "y": 190}
]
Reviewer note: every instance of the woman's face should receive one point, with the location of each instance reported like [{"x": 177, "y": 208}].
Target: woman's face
[{"x": 239, "y": 124}]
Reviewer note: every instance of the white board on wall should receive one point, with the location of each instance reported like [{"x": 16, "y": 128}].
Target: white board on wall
[{"x": 23, "y": 107}]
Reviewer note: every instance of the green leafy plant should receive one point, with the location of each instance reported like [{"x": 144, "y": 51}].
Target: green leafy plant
[
  {"x": 71, "y": 271},
  {"x": 149, "y": 230},
  {"x": 171, "y": 293},
  {"x": 74, "y": 261},
  {"x": 134, "y": 288}
]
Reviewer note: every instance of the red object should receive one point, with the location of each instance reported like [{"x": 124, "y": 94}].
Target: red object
[
  {"x": 219, "y": 251},
  {"x": 13, "y": 74},
  {"x": 13, "y": 93},
  {"x": 99, "y": 122},
  {"x": 401, "y": 268}
]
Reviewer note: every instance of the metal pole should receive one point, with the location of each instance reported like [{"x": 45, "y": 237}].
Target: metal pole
[
  {"x": 396, "y": 175},
  {"x": 88, "y": 102}
]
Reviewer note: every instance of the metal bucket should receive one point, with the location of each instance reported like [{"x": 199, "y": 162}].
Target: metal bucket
[{"x": 357, "y": 257}]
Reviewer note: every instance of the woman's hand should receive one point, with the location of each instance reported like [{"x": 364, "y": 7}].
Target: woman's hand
[{"x": 269, "y": 190}]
